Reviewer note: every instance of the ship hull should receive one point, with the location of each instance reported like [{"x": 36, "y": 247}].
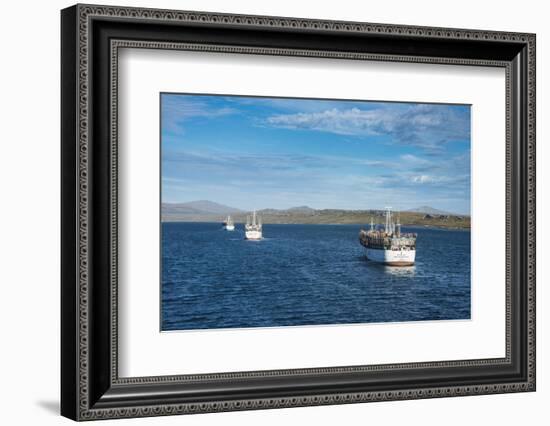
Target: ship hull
[
  {"x": 253, "y": 235},
  {"x": 392, "y": 257},
  {"x": 229, "y": 227}
]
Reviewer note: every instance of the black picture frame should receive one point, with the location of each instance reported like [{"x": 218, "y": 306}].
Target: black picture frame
[{"x": 90, "y": 386}]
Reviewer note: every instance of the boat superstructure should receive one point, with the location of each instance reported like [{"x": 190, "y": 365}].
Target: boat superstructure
[
  {"x": 389, "y": 245},
  {"x": 228, "y": 224},
  {"x": 253, "y": 227}
]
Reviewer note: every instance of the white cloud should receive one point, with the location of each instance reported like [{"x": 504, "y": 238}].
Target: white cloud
[
  {"x": 425, "y": 179},
  {"x": 427, "y": 126},
  {"x": 352, "y": 121},
  {"x": 177, "y": 109}
]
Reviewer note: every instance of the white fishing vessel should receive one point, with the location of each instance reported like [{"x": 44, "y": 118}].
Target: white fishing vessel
[
  {"x": 388, "y": 245},
  {"x": 228, "y": 224},
  {"x": 253, "y": 227}
]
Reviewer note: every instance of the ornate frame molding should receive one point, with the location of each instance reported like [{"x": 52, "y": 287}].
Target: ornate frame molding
[{"x": 78, "y": 24}]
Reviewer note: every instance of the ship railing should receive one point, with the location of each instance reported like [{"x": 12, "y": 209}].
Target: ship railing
[{"x": 403, "y": 248}]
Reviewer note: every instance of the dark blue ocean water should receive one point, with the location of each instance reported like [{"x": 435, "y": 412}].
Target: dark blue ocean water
[{"x": 306, "y": 275}]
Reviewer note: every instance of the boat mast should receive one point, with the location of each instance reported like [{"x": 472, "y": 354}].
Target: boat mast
[
  {"x": 371, "y": 224},
  {"x": 389, "y": 224},
  {"x": 398, "y": 225}
]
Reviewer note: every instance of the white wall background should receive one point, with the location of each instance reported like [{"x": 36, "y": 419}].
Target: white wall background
[{"x": 29, "y": 213}]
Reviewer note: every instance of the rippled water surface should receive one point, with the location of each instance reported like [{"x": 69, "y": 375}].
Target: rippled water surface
[{"x": 306, "y": 275}]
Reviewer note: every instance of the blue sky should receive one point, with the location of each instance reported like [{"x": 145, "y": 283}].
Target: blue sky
[{"x": 251, "y": 152}]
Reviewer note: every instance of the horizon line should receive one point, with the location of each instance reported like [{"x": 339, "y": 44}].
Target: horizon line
[{"x": 304, "y": 206}]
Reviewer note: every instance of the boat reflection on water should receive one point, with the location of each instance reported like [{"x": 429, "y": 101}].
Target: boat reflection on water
[
  {"x": 395, "y": 271},
  {"x": 400, "y": 271}
]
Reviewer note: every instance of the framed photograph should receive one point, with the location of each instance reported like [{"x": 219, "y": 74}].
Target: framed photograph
[{"x": 263, "y": 212}]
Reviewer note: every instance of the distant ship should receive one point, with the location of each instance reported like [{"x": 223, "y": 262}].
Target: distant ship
[
  {"x": 253, "y": 227},
  {"x": 228, "y": 224},
  {"x": 389, "y": 245}
]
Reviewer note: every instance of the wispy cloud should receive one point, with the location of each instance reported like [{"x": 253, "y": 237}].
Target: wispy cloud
[
  {"x": 225, "y": 162},
  {"x": 283, "y": 169},
  {"x": 176, "y": 110},
  {"x": 425, "y": 179},
  {"x": 425, "y": 126}
]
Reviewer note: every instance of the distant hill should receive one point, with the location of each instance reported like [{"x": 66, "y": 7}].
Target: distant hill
[
  {"x": 206, "y": 206},
  {"x": 301, "y": 210},
  {"x": 208, "y": 211},
  {"x": 432, "y": 211},
  {"x": 196, "y": 211}
]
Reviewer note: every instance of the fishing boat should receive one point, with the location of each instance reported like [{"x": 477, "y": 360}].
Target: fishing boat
[
  {"x": 228, "y": 224},
  {"x": 253, "y": 227},
  {"x": 388, "y": 245}
]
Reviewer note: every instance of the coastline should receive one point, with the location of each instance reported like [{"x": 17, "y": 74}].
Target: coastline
[{"x": 407, "y": 225}]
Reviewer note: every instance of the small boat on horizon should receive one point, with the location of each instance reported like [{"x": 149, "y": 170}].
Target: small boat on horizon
[
  {"x": 253, "y": 227},
  {"x": 228, "y": 224}
]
